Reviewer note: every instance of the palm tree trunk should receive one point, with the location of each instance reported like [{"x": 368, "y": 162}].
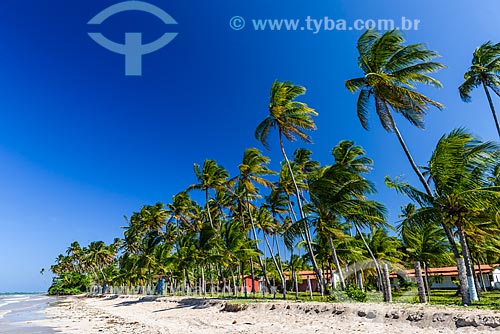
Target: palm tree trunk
[
  {"x": 375, "y": 262},
  {"x": 476, "y": 280},
  {"x": 280, "y": 272},
  {"x": 203, "y": 290},
  {"x": 244, "y": 279},
  {"x": 336, "y": 261},
  {"x": 386, "y": 283},
  {"x": 296, "y": 282},
  {"x": 309, "y": 287},
  {"x": 234, "y": 281},
  {"x": 467, "y": 263},
  {"x": 254, "y": 231},
  {"x": 491, "y": 106},
  {"x": 478, "y": 261},
  {"x": 184, "y": 285},
  {"x": 420, "y": 282},
  {"x": 208, "y": 209},
  {"x": 224, "y": 286},
  {"x": 211, "y": 280},
  {"x": 319, "y": 275},
  {"x": 252, "y": 272},
  {"x": 253, "y": 277},
  {"x": 360, "y": 279},
  {"x": 427, "y": 285},
  {"x": 239, "y": 277},
  {"x": 464, "y": 286}
]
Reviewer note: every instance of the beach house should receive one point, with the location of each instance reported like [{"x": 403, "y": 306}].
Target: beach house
[{"x": 447, "y": 277}]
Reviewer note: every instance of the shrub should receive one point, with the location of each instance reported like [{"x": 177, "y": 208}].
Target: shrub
[
  {"x": 355, "y": 293},
  {"x": 69, "y": 284}
]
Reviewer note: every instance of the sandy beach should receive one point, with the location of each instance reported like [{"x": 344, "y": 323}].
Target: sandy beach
[{"x": 127, "y": 314}]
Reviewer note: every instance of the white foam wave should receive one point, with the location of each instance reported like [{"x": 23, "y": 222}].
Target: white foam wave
[
  {"x": 13, "y": 300},
  {"x": 3, "y": 313}
]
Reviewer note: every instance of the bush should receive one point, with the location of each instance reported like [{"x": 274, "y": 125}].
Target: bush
[
  {"x": 355, "y": 293},
  {"x": 69, "y": 284},
  {"x": 336, "y": 296}
]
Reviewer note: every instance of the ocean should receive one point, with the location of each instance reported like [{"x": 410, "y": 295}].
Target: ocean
[{"x": 18, "y": 311}]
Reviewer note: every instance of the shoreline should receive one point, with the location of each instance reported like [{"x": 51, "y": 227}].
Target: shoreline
[
  {"x": 162, "y": 315},
  {"x": 22, "y": 312}
]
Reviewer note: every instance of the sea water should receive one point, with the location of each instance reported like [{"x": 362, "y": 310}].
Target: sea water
[{"x": 19, "y": 310}]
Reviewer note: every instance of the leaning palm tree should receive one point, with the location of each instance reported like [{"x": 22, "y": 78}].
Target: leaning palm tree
[
  {"x": 291, "y": 118},
  {"x": 391, "y": 70},
  {"x": 484, "y": 71}
]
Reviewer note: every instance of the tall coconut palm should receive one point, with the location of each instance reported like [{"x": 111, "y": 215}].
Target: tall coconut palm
[
  {"x": 484, "y": 71},
  {"x": 252, "y": 169},
  {"x": 210, "y": 176},
  {"x": 391, "y": 71},
  {"x": 340, "y": 194},
  {"x": 291, "y": 119}
]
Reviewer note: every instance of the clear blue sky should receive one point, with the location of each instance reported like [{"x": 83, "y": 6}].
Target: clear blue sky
[{"x": 82, "y": 145}]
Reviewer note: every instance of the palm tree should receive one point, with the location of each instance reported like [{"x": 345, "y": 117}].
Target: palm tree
[
  {"x": 391, "y": 70},
  {"x": 270, "y": 226},
  {"x": 424, "y": 243},
  {"x": 235, "y": 247},
  {"x": 210, "y": 176},
  {"x": 339, "y": 193},
  {"x": 99, "y": 257},
  {"x": 75, "y": 251},
  {"x": 252, "y": 169},
  {"x": 461, "y": 168},
  {"x": 291, "y": 118},
  {"x": 384, "y": 247},
  {"x": 484, "y": 71}
]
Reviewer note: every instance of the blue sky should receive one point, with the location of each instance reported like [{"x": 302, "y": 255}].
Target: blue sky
[{"x": 82, "y": 145}]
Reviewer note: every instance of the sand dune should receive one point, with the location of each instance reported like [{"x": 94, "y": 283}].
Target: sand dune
[{"x": 194, "y": 315}]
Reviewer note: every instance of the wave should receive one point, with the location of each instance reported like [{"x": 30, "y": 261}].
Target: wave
[
  {"x": 3, "y": 313},
  {"x": 14, "y": 299}
]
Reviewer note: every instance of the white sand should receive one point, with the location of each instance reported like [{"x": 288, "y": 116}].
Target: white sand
[{"x": 151, "y": 315}]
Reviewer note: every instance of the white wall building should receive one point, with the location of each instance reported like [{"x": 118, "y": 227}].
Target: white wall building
[{"x": 446, "y": 277}]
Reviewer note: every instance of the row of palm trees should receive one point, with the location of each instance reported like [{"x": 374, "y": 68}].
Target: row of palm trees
[
  {"x": 182, "y": 241},
  {"x": 323, "y": 212}
]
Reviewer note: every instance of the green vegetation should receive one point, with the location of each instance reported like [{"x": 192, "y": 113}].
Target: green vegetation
[
  {"x": 489, "y": 300},
  {"x": 70, "y": 283},
  {"x": 306, "y": 215}
]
